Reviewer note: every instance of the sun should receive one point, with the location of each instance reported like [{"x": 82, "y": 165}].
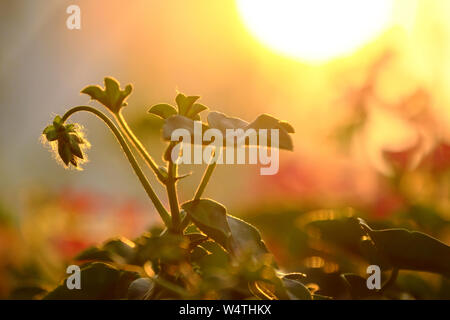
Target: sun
[{"x": 316, "y": 30}]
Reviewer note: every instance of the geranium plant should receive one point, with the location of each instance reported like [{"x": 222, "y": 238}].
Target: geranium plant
[{"x": 204, "y": 252}]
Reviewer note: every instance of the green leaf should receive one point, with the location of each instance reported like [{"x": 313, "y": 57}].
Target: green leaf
[
  {"x": 163, "y": 110},
  {"x": 262, "y": 290},
  {"x": 197, "y": 254},
  {"x": 168, "y": 248},
  {"x": 272, "y": 289},
  {"x": 268, "y": 122},
  {"x": 373, "y": 255},
  {"x": 119, "y": 250},
  {"x": 413, "y": 250},
  {"x": 185, "y": 103},
  {"x": 195, "y": 110},
  {"x": 357, "y": 286},
  {"x": 121, "y": 246},
  {"x": 296, "y": 290},
  {"x": 245, "y": 238},
  {"x": 217, "y": 120},
  {"x": 286, "y": 126},
  {"x": 98, "y": 281},
  {"x": 112, "y": 97},
  {"x": 179, "y": 122},
  {"x": 210, "y": 217},
  {"x": 222, "y": 122},
  {"x": 215, "y": 258},
  {"x": 140, "y": 289},
  {"x": 112, "y": 89},
  {"x": 94, "y": 253},
  {"x": 96, "y": 93},
  {"x": 195, "y": 239},
  {"x": 417, "y": 285},
  {"x": 345, "y": 233},
  {"x": 350, "y": 234},
  {"x": 397, "y": 248},
  {"x": 297, "y": 276}
]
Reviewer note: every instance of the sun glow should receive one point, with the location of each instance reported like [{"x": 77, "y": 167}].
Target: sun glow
[{"x": 316, "y": 30}]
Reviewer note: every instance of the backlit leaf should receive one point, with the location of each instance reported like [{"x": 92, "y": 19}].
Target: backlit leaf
[
  {"x": 185, "y": 103},
  {"x": 413, "y": 250},
  {"x": 222, "y": 122},
  {"x": 140, "y": 289},
  {"x": 268, "y": 122},
  {"x": 163, "y": 110},
  {"x": 357, "y": 286},
  {"x": 210, "y": 217},
  {"x": 245, "y": 238},
  {"x": 296, "y": 290},
  {"x": 112, "y": 97},
  {"x": 98, "y": 281}
]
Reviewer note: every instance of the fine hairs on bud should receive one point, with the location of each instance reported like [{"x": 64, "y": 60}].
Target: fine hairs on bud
[{"x": 52, "y": 146}]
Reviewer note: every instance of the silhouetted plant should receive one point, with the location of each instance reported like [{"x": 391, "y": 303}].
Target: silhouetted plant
[{"x": 203, "y": 252}]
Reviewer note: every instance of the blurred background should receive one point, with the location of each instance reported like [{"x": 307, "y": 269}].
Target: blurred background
[{"x": 364, "y": 83}]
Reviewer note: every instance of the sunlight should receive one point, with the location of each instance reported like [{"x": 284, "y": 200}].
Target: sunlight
[{"x": 316, "y": 30}]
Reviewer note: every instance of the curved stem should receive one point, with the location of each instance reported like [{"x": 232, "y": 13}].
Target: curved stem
[
  {"x": 135, "y": 141},
  {"x": 148, "y": 188},
  {"x": 205, "y": 179}
]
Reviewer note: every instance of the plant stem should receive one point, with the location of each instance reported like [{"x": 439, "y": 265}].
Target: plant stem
[
  {"x": 172, "y": 194},
  {"x": 170, "y": 184},
  {"x": 137, "y": 169},
  {"x": 205, "y": 179},
  {"x": 202, "y": 186},
  {"x": 137, "y": 144}
]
